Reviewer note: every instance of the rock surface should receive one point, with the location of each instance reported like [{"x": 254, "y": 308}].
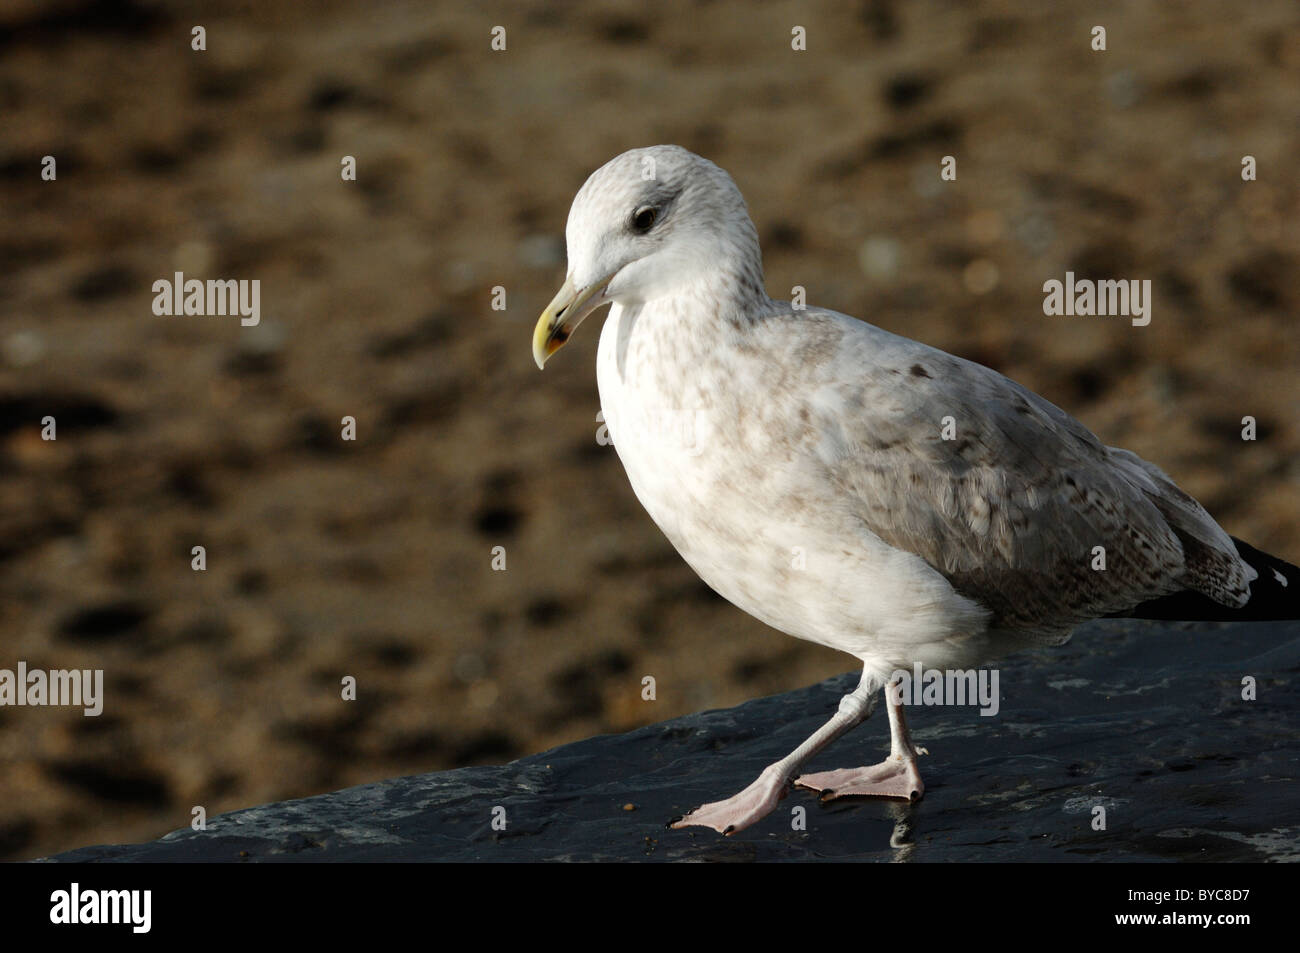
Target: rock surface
[{"x": 1146, "y": 720}]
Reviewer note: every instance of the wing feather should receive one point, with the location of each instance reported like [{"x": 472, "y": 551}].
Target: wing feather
[{"x": 1014, "y": 501}]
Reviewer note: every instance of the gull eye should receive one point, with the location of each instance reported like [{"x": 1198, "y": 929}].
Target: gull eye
[{"x": 644, "y": 218}]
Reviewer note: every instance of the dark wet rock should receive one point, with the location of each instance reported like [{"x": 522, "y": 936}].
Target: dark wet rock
[{"x": 1144, "y": 720}]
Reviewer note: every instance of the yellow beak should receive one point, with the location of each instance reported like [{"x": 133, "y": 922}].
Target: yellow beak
[{"x": 563, "y": 315}]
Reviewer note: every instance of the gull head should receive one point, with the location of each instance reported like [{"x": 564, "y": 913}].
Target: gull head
[{"x": 648, "y": 224}]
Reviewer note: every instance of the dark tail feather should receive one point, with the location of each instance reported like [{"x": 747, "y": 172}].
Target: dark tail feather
[{"x": 1271, "y": 597}]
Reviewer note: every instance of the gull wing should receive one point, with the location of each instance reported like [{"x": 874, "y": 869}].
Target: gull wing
[{"x": 1003, "y": 493}]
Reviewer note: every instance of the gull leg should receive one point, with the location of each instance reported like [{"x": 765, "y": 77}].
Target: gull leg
[
  {"x": 896, "y": 776},
  {"x": 760, "y": 798}
]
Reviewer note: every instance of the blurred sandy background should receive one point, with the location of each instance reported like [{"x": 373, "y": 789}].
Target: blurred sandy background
[{"x": 372, "y": 558}]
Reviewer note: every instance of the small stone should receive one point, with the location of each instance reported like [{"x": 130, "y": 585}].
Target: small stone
[
  {"x": 23, "y": 348},
  {"x": 541, "y": 252},
  {"x": 980, "y": 276},
  {"x": 879, "y": 256},
  {"x": 1124, "y": 89}
]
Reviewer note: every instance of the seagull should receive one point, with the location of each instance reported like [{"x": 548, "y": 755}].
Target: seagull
[{"x": 855, "y": 488}]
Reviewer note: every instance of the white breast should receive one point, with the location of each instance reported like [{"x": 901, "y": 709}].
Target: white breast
[{"x": 696, "y": 461}]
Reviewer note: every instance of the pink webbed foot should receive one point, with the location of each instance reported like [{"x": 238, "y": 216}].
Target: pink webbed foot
[
  {"x": 896, "y": 777},
  {"x": 740, "y": 811}
]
